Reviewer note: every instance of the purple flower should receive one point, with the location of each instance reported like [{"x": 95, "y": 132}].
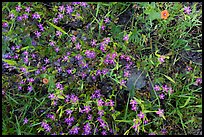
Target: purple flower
[
  {"x": 87, "y": 109},
  {"x": 27, "y": 9},
  {"x": 69, "y": 71},
  {"x": 60, "y": 16},
  {"x": 74, "y": 98},
  {"x": 105, "y": 71},
  {"x": 30, "y": 88},
  {"x": 126, "y": 37},
  {"x": 156, "y": 88},
  {"x": 161, "y": 59},
  {"x": 20, "y": 18},
  {"x": 61, "y": 8},
  {"x": 87, "y": 129},
  {"x": 100, "y": 102},
  {"x": 52, "y": 43},
  {"x": 141, "y": 115},
  {"x": 11, "y": 15},
  {"x": 4, "y": 24},
  {"x": 187, "y": 10},
  {"x": 69, "y": 9},
  {"x": 18, "y": 8},
  {"x": 19, "y": 88},
  {"x": 161, "y": 96},
  {"x": 58, "y": 85},
  {"x": 101, "y": 113},
  {"x": 103, "y": 132},
  {"x": 188, "y": 68},
  {"x": 198, "y": 81},
  {"x": 89, "y": 117},
  {"x": 165, "y": 88},
  {"x": 78, "y": 57},
  {"x": 65, "y": 58},
  {"x": 93, "y": 42},
  {"x": 103, "y": 27},
  {"x": 84, "y": 4},
  {"x": 58, "y": 33},
  {"x": 69, "y": 112},
  {"x": 133, "y": 102},
  {"x": 59, "y": 69},
  {"x": 103, "y": 125},
  {"x": 126, "y": 74},
  {"x": 122, "y": 82},
  {"x": 56, "y": 49},
  {"x": 111, "y": 103},
  {"x": 160, "y": 112},
  {"x": 73, "y": 38},
  {"x": 78, "y": 46},
  {"x": 55, "y": 20},
  {"x": 46, "y": 61},
  {"x": 36, "y": 16},
  {"x": 51, "y": 96},
  {"x": 30, "y": 80},
  {"x": 106, "y": 40},
  {"x": 41, "y": 27},
  {"x": 37, "y": 33},
  {"x": 74, "y": 130},
  {"x": 43, "y": 68},
  {"x": 37, "y": 72},
  {"x": 106, "y": 20},
  {"x": 25, "y": 121},
  {"x": 25, "y": 16}
]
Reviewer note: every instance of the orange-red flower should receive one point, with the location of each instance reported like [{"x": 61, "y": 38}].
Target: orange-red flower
[
  {"x": 45, "y": 81},
  {"x": 164, "y": 14}
]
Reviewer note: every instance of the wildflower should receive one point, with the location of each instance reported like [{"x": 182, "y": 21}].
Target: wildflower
[
  {"x": 36, "y": 16},
  {"x": 11, "y": 15},
  {"x": 164, "y": 14},
  {"x": 188, "y": 68},
  {"x": 122, "y": 82},
  {"x": 51, "y": 96},
  {"x": 37, "y": 72},
  {"x": 84, "y": 4},
  {"x": 78, "y": 46},
  {"x": 78, "y": 57},
  {"x": 69, "y": 71},
  {"x": 45, "y": 81},
  {"x": 103, "y": 132},
  {"x": 87, "y": 109},
  {"x": 127, "y": 58},
  {"x": 38, "y": 34},
  {"x": 133, "y": 102},
  {"x": 61, "y": 8},
  {"x": 56, "y": 49},
  {"x": 30, "y": 80},
  {"x": 105, "y": 71},
  {"x": 19, "y": 88},
  {"x": 30, "y": 88},
  {"x": 43, "y": 68},
  {"x": 161, "y": 96},
  {"x": 126, "y": 37},
  {"x": 69, "y": 9},
  {"x": 52, "y": 43},
  {"x": 20, "y": 18},
  {"x": 87, "y": 129},
  {"x": 103, "y": 125},
  {"x": 145, "y": 121},
  {"x": 156, "y": 88},
  {"x": 106, "y": 20},
  {"x": 141, "y": 115},
  {"x": 25, "y": 16},
  {"x": 187, "y": 10},
  {"x": 27, "y": 9},
  {"x": 41, "y": 27},
  {"x": 74, "y": 130},
  {"x": 55, "y": 20},
  {"x": 69, "y": 112},
  {"x": 74, "y": 98},
  {"x": 101, "y": 112},
  {"x": 5, "y": 24},
  {"x": 60, "y": 16},
  {"x": 164, "y": 131},
  {"x": 111, "y": 103},
  {"x": 58, "y": 33},
  {"x": 165, "y": 88},
  {"x": 89, "y": 117},
  {"x": 25, "y": 121},
  {"x": 160, "y": 112},
  {"x": 198, "y": 81},
  {"x": 18, "y": 8},
  {"x": 93, "y": 42},
  {"x": 73, "y": 38},
  {"x": 103, "y": 27},
  {"x": 126, "y": 74},
  {"x": 106, "y": 40},
  {"x": 161, "y": 59},
  {"x": 135, "y": 126}
]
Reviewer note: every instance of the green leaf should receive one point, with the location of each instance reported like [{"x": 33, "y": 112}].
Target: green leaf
[
  {"x": 169, "y": 78},
  {"x": 58, "y": 28},
  {"x": 186, "y": 103},
  {"x": 10, "y": 62}
]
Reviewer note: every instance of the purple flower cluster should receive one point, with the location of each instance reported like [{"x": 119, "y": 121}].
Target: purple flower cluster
[
  {"x": 74, "y": 130},
  {"x": 133, "y": 103},
  {"x": 74, "y": 98},
  {"x": 86, "y": 129},
  {"x": 126, "y": 57},
  {"x": 90, "y": 54},
  {"x": 45, "y": 126},
  {"x": 59, "y": 86},
  {"x": 69, "y": 120},
  {"x": 96, "y": 94},
  {"x": 109, "y": 59},
  {"x": 164, "y": 88},
  {"x": 51, "y": 116}
]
